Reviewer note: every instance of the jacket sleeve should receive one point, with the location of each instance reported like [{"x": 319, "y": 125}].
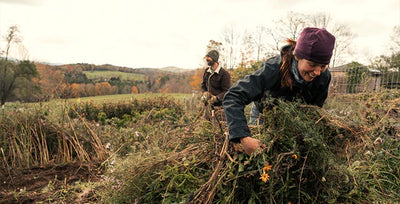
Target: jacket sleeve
[
  {"x": 322, "y": 93},
  {"x": 204, "y": 82},
  {"x": 249, "y": 88},
  {"x": 225, "y": 85}
]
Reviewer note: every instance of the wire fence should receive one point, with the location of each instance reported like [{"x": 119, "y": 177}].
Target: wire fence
[{"x": 350, "y": 81}]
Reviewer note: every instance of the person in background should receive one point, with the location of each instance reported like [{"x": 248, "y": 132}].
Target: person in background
[
  {"x": 299, "y": 72},
  {"x": 216, "y": 80}
]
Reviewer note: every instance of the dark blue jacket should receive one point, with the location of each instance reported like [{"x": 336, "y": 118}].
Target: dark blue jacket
[{"x": 267, "y": 79}]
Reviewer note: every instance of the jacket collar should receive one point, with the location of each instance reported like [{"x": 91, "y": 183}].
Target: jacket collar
[
  {"x": 216, "y": 71},
  {"x": 296, "y": 74}
]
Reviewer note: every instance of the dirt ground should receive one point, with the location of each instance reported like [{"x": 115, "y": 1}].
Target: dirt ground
[{"x": 49, "y": 184}]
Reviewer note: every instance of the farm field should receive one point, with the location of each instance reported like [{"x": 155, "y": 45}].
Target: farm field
[
  {"x": 168, "y": 148},
  {"x": 115, "y": 74},
  {"x": 54, "y": 104},
  {"x": 126, "y": 97}
]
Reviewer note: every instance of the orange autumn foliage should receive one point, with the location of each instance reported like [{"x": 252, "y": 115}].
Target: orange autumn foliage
[
  {"x": 197, "y": 78},
  {"x": 51, "y": 82},
  {"x": 134, "y": 90}
]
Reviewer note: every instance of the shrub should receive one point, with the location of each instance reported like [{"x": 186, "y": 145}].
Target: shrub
[
  {"x": 310, "y": 155},
  {"x": 156, "y": 109}
]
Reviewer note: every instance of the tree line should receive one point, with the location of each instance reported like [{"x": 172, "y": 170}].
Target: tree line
[
  {"x": 27, "y": 81},
  {"x": 240, "y": 52}
]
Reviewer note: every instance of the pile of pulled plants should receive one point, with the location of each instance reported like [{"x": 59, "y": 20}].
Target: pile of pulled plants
[{"x": 309, "y": 155}]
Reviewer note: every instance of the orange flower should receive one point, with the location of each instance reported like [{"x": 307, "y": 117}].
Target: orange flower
[
  {"x": 267, "y": 168},
  {"x": 264, "y": 177},
  {"x": 294, "y": 156}
]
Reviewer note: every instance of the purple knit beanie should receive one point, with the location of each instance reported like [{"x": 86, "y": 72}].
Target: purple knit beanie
[{"x": 315, "y": 45}]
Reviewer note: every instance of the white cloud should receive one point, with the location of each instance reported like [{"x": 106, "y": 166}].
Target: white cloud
[
  {"x": 157, "y": 33},
  {"x": 25, "y": 2}
]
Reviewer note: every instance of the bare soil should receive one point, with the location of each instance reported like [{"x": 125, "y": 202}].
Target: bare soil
[{"x": 49, "y": 184}]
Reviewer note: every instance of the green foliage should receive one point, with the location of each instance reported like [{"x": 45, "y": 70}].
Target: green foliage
[
  {"x": 37, "y": 135},
  {"x": 155, "y": 153},
  {"x": 339, "y": 159},
  {"x": 392, "y": 61},
  {"x": 390, "y": 68},
  {"x": 129, "y": 97},
  {"x": 355, "y": 76},
  {"x": 158, "y": 108},
  {"x": 170, "y": 184},
  {"x": 163, "y": 166},
  {"x": 315, "y": 156},
  {"x": 26, "y": 69},
  {"x": 316, "y": 170},
  {"x": 76, "y": 76},
  {"x": 124, "y": 86},
  {"x": 240, "y": 72},
  {"x": 15, "y": 78},
  {"x": 101, "y": 117},
  {"x": 391, "y": 79}
]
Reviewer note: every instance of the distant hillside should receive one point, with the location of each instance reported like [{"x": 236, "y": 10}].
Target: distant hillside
[
  {"x": 175, "y": 69},
  {"x": 83, "y": 67},
  {"x": 82, "y": 76},
  {"x": 97, "y": 75}
]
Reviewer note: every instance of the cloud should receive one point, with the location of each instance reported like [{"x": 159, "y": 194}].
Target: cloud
[
  {"x": 156, "y": 33},
  {"x": 24, "y": 2}
]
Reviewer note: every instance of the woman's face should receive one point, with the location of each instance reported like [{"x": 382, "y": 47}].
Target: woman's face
[{"x": 309, "y": 70}]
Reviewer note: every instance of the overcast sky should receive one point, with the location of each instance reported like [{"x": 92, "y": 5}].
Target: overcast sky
[{"x": 160, "y": 33}]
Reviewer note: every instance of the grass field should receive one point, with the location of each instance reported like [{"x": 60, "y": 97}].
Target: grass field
[
  {"x": 56, "y": 105},
  {"x": 109, "y": 74},
  {"x": 158, "y": 150},
  {"x": 125, "y": 97}
]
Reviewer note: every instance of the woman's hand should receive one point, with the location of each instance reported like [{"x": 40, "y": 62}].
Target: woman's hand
[{"x": 250, "y": 144}]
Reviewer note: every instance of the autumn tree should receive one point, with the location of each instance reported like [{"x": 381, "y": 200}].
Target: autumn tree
[
  {"x": 77, "y": 90},
  {"x": 104, "y": 88},
  {"x": 178, "y": 84},
  {"x": 13, "y": 75},
  {"x": 125, "y": 89},
  {"x": 196, "y": 79},
  {"x": 82, "y": 90},
  {"x": 90, "y": 89},
  {"x": 134, "y": 90},
  {"x": 171, "y": 87},
  {"x": 51, "y": 81}
]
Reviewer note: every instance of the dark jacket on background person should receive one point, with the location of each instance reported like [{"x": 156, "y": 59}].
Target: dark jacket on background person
[
  {"x": 267, "y": 79},
  {"x": 217, "y": 83}
]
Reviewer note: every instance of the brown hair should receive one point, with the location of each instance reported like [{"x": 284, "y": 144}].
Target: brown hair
[{"x": 287, "y": 57}]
